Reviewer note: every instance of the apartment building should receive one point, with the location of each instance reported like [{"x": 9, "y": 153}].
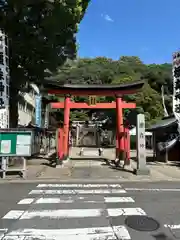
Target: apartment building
[{"x": 26, "y": 106}]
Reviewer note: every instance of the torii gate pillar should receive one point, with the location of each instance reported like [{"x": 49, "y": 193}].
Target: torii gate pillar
[
  {"x": 120, "y": 129},
  {"x": 66, "y": 126}
]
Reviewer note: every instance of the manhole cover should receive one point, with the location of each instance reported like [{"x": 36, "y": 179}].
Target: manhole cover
[{"x": 142, "y": 223}]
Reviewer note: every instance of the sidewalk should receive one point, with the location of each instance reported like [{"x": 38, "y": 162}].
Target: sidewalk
[{"x": 97, "y": 170}]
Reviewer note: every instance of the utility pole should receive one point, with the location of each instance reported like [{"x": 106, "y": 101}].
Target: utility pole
[{"x": 4, "y": 90}]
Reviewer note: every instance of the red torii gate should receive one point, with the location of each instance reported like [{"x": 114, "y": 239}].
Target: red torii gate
[
  {"x": 96, "y": 90},
  {"x": 124, "y": 144}
]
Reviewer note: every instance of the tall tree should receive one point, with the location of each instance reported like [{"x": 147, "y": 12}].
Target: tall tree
[
  {"x": 107, "y": 71},
  {"x": 41, "y": 36}
]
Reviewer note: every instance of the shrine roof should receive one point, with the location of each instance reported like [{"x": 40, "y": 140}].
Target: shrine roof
[
  {"x": 164, "y": 123},
  {"x": 93, "y": 88}
]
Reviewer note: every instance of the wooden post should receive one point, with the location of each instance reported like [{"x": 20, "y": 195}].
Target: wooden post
[
  {"x": 77, "y": 134},
  {"x": 127, "y": 146},
  {"x": 117, "y": 146},
  {"x": 59, "y": 140}
]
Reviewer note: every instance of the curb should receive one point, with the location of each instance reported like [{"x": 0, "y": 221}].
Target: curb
[{"x": 55, "y": 180}]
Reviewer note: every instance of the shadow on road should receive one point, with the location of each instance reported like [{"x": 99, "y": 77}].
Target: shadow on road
[{"x": 161, "y": 236}]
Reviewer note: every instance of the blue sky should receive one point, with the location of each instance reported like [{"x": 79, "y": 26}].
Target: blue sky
[{"x": 145, "y": 28}]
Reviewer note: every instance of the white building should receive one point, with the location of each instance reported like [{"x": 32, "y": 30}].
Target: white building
[{"x": 26, "y": 106}]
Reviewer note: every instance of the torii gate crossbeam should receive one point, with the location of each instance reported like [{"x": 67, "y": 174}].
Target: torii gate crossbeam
[{"x": 76, "y": 105}]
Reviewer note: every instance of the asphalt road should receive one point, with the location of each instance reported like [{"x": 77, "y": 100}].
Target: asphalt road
[{"x": 77, "y": 211}]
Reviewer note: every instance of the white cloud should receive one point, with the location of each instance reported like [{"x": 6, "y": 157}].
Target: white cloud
[
  {"x": 107, "y": 17},
  {"x": 144, "y": 49}
]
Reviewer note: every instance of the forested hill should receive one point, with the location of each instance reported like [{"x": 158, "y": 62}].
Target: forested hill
[{"x": 102, "y": 70}]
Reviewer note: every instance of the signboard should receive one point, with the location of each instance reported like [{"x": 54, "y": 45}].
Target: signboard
[
  {"x": 4, "y": 71},
  {"x": 92, "y": 100},
  {"x": 141, "y": 139},
  {"x": 38, "y": 103},
  {"x": 15, "y": 143},
  {"x": 176, "y": 86},
  {"x": 4, "y": 118}
]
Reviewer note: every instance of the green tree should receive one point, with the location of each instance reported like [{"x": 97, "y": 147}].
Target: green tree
[
  {"x": 127, "y": 69},
  {"x": 41, "y": 36},
  {"x": 151, "y": 102}
]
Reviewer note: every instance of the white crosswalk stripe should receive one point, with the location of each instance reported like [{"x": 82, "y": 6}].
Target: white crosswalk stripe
[
  {"x": 78, "y": 191},
  {"x": 101, "y": 233},
  {"x": 172, "y": 226},
  {"x": 70, "y": 200},
  {"x": 73, "y": 212},
  {"x": 78, "y": 186}
]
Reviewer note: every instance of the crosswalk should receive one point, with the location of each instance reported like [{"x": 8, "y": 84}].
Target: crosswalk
[{"x": 71, "y": 212}]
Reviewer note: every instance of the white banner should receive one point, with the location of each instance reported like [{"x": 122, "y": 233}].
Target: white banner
[
  {"x": 4, "y": 118},
  {"x": 38, "y": 109},
  {"x": 176, "y": 80}
]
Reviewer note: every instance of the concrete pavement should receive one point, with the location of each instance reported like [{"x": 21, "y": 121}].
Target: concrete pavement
[
  {"x": 96, "y": 170},
  {"x": 99, "y": 170},
  {"x": 91, "y": 211}
]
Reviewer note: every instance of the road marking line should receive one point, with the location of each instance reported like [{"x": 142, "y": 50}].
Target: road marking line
[
  {"x": 174, "y": 226},
  {"x": 13, "y": 214},
  {"x": 78, "y": 186},
  {"x": 52, "y": 200},
  {"x": 118, "y": 199},
  {"x": 43, "y": 200},
  {"x": 154, "y": 189},
  {"x": 54, "y": 214},
  {"x": 2, "y": 233},
  {"x": 115, "y": 212},
  {"x": 6, "y": 237},
  {"x": 26, "y": 201},
  {"x": 72, "y": 213},
  {"x": 58, "y": 200},
  {"x": 109, "y": 236},
  {"x": 79, "y": 191},
  {"x": 102, "y": 233}
]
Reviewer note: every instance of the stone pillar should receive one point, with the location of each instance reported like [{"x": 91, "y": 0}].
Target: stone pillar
[{"x": 142, "y": 168}]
